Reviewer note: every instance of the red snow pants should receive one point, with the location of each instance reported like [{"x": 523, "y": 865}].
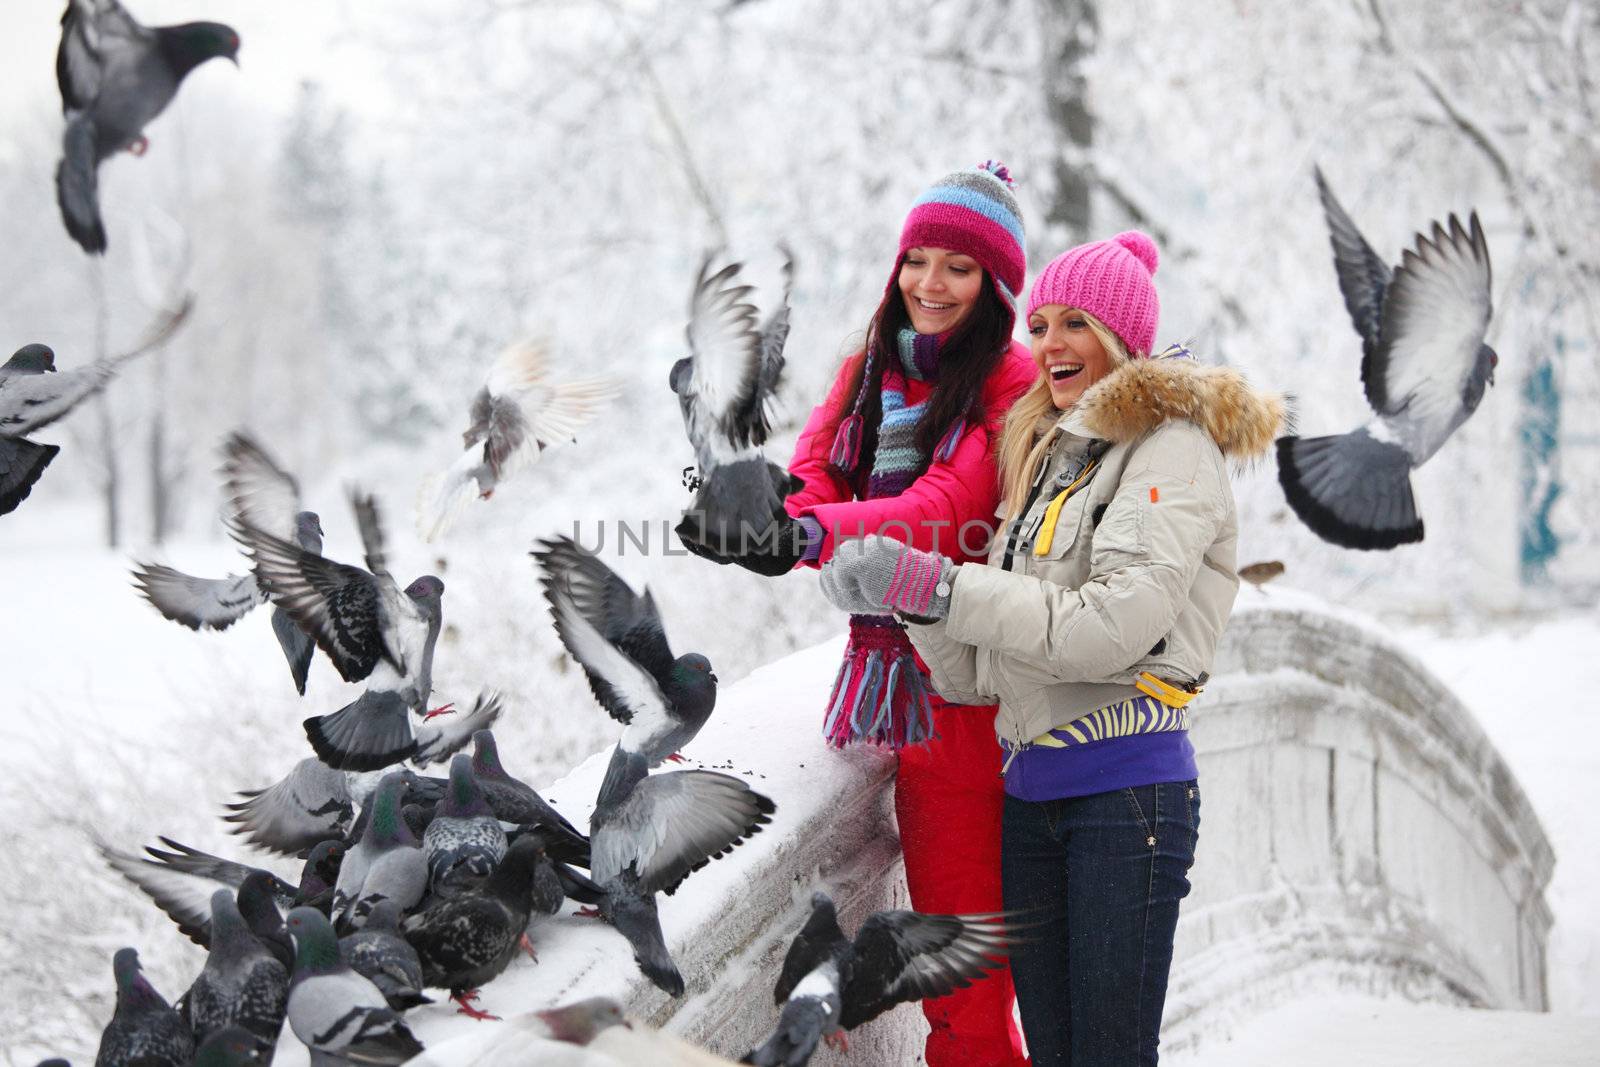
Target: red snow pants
[{"x": 948, "y": 798}]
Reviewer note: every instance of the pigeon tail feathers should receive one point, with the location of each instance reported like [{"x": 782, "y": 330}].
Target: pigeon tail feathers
[
  {"x": 21, "y": 464},
  {"x": 369, "y": 734},
  {"x": 1352, "y": 489}
]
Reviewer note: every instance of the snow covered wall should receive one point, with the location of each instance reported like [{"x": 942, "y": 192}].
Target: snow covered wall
[{"x": 1359, "y": 833}]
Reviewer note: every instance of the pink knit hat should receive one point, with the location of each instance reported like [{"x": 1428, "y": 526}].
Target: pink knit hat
[
  {"x": 1111, "y": 280},
  {"x": 973, "y": 212}
]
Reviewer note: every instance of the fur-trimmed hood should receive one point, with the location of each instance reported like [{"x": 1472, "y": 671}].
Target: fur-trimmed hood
[{"x": 1142, "y": 394}]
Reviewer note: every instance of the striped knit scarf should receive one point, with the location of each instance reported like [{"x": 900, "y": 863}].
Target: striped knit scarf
[{"x": 879, "y": 694}]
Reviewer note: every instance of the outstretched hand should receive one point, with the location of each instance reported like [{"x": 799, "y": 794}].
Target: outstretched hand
[{"x": 878, "y": 575}]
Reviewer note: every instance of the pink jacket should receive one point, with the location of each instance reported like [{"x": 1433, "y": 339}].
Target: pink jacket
[{"x": 950, "y": 509}]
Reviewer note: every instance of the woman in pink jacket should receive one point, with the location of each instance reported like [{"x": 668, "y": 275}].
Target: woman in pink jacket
[{"x": 903, "y": 445}]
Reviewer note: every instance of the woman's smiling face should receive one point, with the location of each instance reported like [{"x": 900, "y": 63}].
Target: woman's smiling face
[
  {"x": 940, "y": 288},
  {"x": 1067, "y": 352}
]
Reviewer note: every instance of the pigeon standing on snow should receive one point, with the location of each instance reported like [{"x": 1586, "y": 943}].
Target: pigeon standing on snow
[
  {"x": 724, "y": 387},
  {"x": 387, "y": 960},
  {"x": 467, "y": 939},
  {"x": 269, "y": 497},
  {"x": 648, "y": 833},
  {"x": 1424, "y": 367},
  {"x": 33, "y": 394},
  {"x": 618, "y": 640},
  {"x": 465, "y": 841},
  {"x": 517, "y": 414},
  {"x": 115, "y": 77},
  {"x": 341, "y": 1016},
  {"x": 388, "y": 863},
  {"x": 831, "y": 983},
  {"x": 516, "y": 802},
  {"x": 242, "y": 984},
  {"x": 144, "y": 1029},
  {"x": 371, "y": 630}
]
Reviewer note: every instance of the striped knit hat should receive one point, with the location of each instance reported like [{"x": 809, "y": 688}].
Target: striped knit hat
[
  {"x": 974, "y": 213},
  {"x": 1111, "y": 280}
]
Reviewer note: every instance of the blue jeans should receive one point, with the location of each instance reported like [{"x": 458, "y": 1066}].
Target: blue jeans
[{"x": 1097, "y": 880}]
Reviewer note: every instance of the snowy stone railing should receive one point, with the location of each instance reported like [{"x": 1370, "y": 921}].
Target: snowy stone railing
[{"x": 1358, "y": 831}]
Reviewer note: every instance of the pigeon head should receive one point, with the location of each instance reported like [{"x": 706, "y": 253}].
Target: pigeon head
[
  {"x": 386, "y": 825},
  {"x": 133, "y": 988},
  {"x": 514, "y": 876},
  {"x": 426, "y": 590},
  {"x": 316, "y": 947},
  {"x": 580, "y": 1023},
  {"x": 230, "y": 1047},
  {"x": 462, "y": 797},
  {"x": 308, "y": 530},
  {"x": 1480, "y": 379},
  {"x": 694, "y": 671},
  {"x": 679, "y": 378},
  {"x": 486, "y": 756},
  {"x": 255, "y": 899},
  {"x": 820, "y": 901},
  {"x": 31, "y": 359},
  {"x": 385, "y": 915},
  {"x": 227, "y": 925},
  {"x": 191, "y": 44},
  {"x": 322, "y": 868}
]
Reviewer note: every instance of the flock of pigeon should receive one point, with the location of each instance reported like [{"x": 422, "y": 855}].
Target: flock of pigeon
[{"x": 412, "y": 882}]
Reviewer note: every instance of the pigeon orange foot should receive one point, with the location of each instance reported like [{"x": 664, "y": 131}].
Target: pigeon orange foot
[
  {"x": 447, "y": 709},
  {"x": 839, "y": 1041},
  {"x": 676, "y": 757},
  {"x": 588, "y": 913},
  {"x": 465, "y": 999},
  {"x": 527, "y": 946}
]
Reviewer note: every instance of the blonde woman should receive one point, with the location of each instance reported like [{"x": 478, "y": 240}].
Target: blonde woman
[{"x": 1093, "y": 626}]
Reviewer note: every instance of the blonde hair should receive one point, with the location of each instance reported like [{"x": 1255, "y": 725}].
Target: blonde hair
[{"x": 1025, "y": 435}]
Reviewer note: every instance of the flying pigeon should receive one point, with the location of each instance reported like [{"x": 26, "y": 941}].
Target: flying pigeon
[
  {"x": 648, "y": 833},
  {"x": 33, "y": 394},
  {"x": 724, "y": 387},
  {"x": 242, "y": 984},
  {"x": 516, "y": 415},
  {"x": 115, "y": 77},
  {"x": 181, "y": 881},
  {"x": 388, "y": 863},
  {"x": 1424, "y": 367},
  {"x": 464, "y": 842},
  {"x": 253, "y": 479},
  {"x": 618, "y": 640},
  {"x": 335, "y": 1011},
  {"x": 830, "y": 983},
  {"x": 381, "y": 955},
  {"x": 371, "y": 630},
  {"x": 144, "y": 1029},
  {"x": 467, "y": 939}
]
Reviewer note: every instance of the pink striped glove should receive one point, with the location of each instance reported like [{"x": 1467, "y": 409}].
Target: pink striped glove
[{"x": 878, "y": 574}]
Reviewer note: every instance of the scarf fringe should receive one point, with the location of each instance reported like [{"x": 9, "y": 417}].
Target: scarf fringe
[
  {"x": 879, "y": 694},
  {"x": 846, "y": 452}
]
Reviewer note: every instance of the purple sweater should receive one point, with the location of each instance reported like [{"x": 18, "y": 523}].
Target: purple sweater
[{"x": 1138, "y": 742}]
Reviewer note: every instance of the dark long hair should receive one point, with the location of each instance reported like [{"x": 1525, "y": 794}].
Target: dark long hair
[{"x": 966, "y": 359}]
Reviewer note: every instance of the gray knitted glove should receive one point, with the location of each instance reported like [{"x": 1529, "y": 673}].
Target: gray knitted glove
[{"x": 878, "y": 575}]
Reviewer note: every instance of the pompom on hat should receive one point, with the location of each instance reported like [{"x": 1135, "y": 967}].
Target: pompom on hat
[
  {"x": 973, "y": 212},
  {"x": 1111, "y": 280}
]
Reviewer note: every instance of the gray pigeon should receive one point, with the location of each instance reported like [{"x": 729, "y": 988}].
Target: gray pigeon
[
  {"x": 724, "y": 388},
  {"x": 599, "y": 1027},
  {"x": 388, "y": 863},
  {"x": 242, "y": 984},
  {"x": 648, "y": 833},
  {"x": 517, "y": 414},
  {"x": 380, "y": 954},
  {"x": 1424, "y": 367},
  {"x": 517, "y": 804},
  {"x": 618, "y": 640},
  {"x": 341, "y": 1016},
  {"x": 182, "y": 880},
  {"x": 830, "y": 983},
  {"x": 33, "y": 394},
  {"x": 310, "y": 804},
  {"x": 115, "y": 77},
  {"x": 465, "y": 841},
  {"x": 144, "y": 1029},
  {"x": 371, "y": 630},
  {"x": 467, "y": 939}
]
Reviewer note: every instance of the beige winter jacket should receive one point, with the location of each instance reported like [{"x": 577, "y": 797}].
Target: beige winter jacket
[{"x": 1139, "y": 573}]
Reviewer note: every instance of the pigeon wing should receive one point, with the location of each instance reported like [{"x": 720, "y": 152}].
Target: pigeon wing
[
  {"x": 198, "y": 603},
  {"x": 21, "y": 464},
  {"x": 1363, "y": 277},
  {"x": 259, "y": 490},
  {"x": 370, "y": 523},
  {"x": 774, "y": 335},
  {"x": 907, "y": 955},
  {"x": 525, "y": 413},
  {"x": 340, "y": 606},
  {"x": 307, "y": 806},
  {"x": 725, "y": 350},
  {"x": 1434, "y": 320},
  {"x": 674, "y": 823},
  {"x": 92, "y": 32}
]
